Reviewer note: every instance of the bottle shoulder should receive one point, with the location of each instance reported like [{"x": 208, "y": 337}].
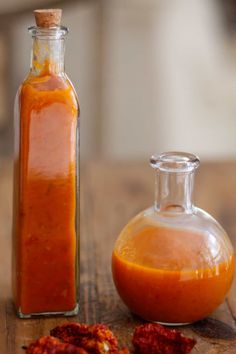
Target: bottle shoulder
[
  {"x": 47, "y": 82},
  {"x": 197, "y": 234},
  {"x": 198, "y": 220},
  {"x": 47, "y": 88}
]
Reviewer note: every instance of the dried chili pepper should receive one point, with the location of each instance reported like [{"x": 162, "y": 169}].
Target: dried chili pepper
[
  {"x": 51, "y": 345},
  {"x": 96, "y": 339},
  {"x": 153, "y": 338}
]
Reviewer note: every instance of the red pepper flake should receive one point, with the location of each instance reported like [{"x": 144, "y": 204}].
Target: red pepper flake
[
  {"x": 96, "y": 339},
  {"x": 152, "y": 338},
  {"x": 51, "y": 345}
]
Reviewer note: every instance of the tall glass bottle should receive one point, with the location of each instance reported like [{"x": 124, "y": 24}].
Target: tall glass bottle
[
  {"x": 173, "y": 263},
  {"x": 45, "y": 215}
]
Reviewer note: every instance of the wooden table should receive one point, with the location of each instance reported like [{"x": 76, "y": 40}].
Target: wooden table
[{"x": 111, "y": 193}]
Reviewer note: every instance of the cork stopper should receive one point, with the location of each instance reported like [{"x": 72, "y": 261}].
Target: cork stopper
[{"x": 47, "y": 18}]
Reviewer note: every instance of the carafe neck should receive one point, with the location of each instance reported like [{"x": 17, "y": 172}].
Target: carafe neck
[
  {"x": 174, "y": 181},
  {"x": 174, "y": 191}
]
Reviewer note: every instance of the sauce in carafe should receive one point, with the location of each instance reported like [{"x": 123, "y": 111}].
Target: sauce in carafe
[{"x": 161, "y": 276}]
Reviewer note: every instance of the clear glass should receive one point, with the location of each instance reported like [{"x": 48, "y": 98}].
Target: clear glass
[
  {"x": 46, "y": 184},
  {"x": 173, "y": 263}
]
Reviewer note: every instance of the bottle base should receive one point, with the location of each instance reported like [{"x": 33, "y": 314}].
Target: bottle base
[
  {"x": 73, "y": 312},
  {"x": 172, "y": 324},
  {"x": 163, "y": 323}
]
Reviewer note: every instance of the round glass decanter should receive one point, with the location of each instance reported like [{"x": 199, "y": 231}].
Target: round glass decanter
[{"x": 173, "y": 263}]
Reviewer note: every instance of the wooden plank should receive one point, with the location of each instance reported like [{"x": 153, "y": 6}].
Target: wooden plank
[{"x": 111, "y": 193}]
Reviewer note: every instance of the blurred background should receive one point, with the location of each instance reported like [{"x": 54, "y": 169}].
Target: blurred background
[{"x": 152, "y": 75}]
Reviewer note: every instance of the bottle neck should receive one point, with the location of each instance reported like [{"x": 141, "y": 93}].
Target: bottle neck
[
  {"x": 48, "y": 50},
  {"x": 174, "y": 191},
  {"x": 47, "y": 56}
]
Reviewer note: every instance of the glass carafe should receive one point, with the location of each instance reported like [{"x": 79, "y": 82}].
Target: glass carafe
[
  {"x": 173, "y": 263},
  {"x": 46, "y": 199}
]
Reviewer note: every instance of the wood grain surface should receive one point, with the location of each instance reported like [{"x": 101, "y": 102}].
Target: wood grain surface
[{"x": 112, "y": 193}]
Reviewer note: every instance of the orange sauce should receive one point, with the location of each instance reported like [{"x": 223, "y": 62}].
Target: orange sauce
[
  {"x": 44, "y": 230},
  {"x": 152, "y": 275}
]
